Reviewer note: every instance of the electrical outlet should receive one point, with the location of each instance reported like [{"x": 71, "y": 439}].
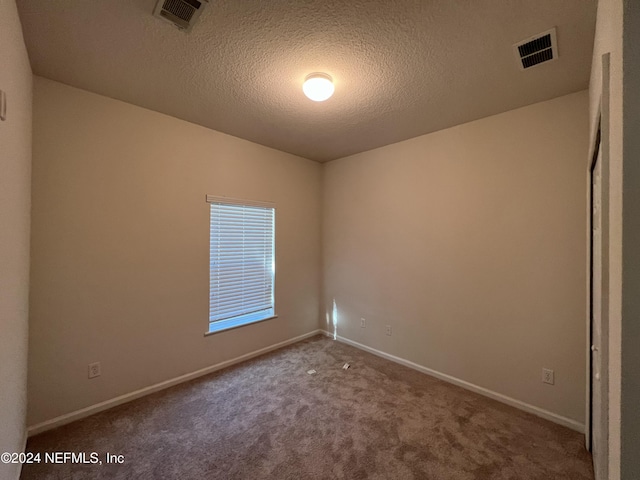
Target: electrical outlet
[
  {"x": 388, "y": 330},
  {"x": 547, "y": 376},
  {"x": 95, "y": 370},
  {"x": 363, "y": 323}
]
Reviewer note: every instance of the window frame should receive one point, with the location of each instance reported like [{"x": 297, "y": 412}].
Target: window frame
[{"x": 218, "y": 326}]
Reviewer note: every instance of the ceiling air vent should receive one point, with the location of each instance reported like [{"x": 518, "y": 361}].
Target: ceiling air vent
[
  {"x": 180, "y": 13},
  {"x": 537, "y": 49}
]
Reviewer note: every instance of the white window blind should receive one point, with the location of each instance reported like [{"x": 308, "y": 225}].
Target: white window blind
[{"x": 241, "y": 263}]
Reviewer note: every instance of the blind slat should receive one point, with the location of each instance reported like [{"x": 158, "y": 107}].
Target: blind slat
[
  {"x": 224, "y": 291},
  {"x": 227, "y": 270},
  {"x": 244, "y": 296},
  {"x": 223, "y": 308},
  {"x": 239, "y": 310}
]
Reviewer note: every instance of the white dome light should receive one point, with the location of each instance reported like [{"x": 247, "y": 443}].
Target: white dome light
[{"x": 318, "y": 87}]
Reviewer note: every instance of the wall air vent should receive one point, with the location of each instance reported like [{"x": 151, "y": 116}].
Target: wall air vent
[
  {"x": 180, "y": 13},
  {"x": 537, "y": 49}
]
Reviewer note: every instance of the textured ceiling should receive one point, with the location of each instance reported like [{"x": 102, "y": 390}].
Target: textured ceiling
[{"x": 400, "y": 68}]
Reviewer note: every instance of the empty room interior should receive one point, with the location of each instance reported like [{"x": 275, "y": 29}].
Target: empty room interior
[{"x": 320, "y": 239}]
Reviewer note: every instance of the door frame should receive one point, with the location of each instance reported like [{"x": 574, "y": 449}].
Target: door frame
[
  {"x": 600, "y": 146},
  {"x": 594, "y": 159}
]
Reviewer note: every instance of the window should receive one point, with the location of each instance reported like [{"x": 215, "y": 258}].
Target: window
[{"x": 241, "y": 263}]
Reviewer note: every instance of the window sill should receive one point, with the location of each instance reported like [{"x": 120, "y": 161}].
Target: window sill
[{"x": 233, "y": 323}]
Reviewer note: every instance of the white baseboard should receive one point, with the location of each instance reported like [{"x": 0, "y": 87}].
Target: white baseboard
[
  {"x": 547, "y": 415},
  {"x": 127, "y": 397}
]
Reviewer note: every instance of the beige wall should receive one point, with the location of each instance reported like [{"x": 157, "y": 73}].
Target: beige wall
[
  {"x": 469, "y": 242},
  {"x": 120, "y": 246},
  {"x": 15, "y": 179},
  {"x": 608, "y": 39}
]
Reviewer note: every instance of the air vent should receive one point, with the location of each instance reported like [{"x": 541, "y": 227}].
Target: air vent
[
  {"x": 180, "y": 13},
  {"x": 536, "y": 50}
]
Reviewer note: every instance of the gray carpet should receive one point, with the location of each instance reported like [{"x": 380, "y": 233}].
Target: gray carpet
[{"x": 267, "y": 418}]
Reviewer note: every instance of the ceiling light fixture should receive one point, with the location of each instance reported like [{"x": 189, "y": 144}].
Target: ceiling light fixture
[{"x": 318, "y": 86}]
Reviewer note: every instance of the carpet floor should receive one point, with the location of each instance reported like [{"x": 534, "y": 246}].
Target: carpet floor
[{"x": 268, "y": 418}]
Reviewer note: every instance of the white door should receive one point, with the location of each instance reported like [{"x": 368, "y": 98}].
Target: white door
[{"x": 598, "y": 387}]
